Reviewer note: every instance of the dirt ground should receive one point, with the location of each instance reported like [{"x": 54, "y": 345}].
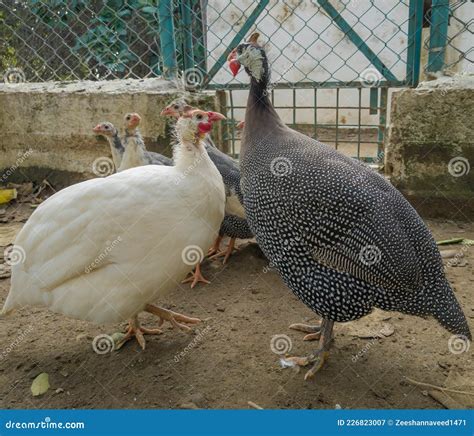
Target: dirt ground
[{"x": 228, "y": 361}]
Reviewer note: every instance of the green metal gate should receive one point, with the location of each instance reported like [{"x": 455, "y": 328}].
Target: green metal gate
[
  {"x": 355, "y": 98},
  {"x": 333, "y": 61}
]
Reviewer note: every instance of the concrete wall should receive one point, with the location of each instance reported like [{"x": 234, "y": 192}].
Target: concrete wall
[
  {"x": 55, "y": 121},
  {"x": 430, "y": 151}
]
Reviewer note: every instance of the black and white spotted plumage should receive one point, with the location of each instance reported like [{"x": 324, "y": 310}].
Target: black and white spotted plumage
[
  {"x": 343, "y": 239},
  {"x": 235, "y": 223}
]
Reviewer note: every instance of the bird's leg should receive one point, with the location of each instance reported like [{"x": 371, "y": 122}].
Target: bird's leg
[
  {"x": 216, "y": 247},
  {"x": 314, "y": 331},
  {"x": 135, "y": 330},
  {"x": 196, "y": 277},
  {"x": 227, "y": 252},
  {"x": 318, "y": 357},
  {"x": 174, "y": 318}
]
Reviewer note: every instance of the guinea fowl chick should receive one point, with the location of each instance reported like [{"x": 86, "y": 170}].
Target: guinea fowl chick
[
  {"x": 343, "y": 239},
  {"x": 91, "y": 257},
  {"x": 136, "y": 154},
  {"x": 235, "y": 224},
  {"x": 110, "y": 132}
]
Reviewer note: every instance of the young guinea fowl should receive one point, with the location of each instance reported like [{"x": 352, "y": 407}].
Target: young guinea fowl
[
  {"x": 343, "y": 239},
  {"x": 135, "y": 153},
  {"x": 110, "y": 132},
  {"x": 91, "y": 257},
  {"x": 235, "y": 223}
]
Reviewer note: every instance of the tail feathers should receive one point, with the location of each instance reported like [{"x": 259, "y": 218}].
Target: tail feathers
[{"x": 449, "y": 314}]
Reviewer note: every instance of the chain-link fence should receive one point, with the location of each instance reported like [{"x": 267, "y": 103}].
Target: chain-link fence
[
  {"x": 333, "y": 61},
  {"x": 450, "y": 42}
]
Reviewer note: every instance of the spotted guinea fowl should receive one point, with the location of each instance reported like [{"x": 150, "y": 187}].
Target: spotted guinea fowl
[
  {"x": 343, "y": 239},
  {"x": 135, "y": 153},
  {"x": 110, "y": 132},
  {"x": 234, "y": 225},
  {"x": 91, "y": 257}
]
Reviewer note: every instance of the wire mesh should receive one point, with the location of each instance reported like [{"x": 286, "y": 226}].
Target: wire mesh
[
  {"x": 459, "y": 43},
  {"x": 307, "y": 45},
  {"x": 80, "y": 39}
]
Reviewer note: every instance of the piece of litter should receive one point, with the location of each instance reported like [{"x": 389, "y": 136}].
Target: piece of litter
[
  {"x": 287, "y": 363},
  {"x": 254, "y": 405},
  {"x": 40, "y": 384}
]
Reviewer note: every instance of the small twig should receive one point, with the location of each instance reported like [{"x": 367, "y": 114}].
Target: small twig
[
  {"x": 439, "y": 388},
  {"x": 255, "y": 406}
]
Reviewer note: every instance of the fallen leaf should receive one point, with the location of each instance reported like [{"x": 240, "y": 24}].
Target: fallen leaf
[{"x": 40, "y": 384}]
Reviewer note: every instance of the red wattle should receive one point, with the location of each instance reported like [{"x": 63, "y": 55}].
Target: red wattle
[
  {"x": 234, "y": 66},
  {"x": 204, "y": 127}
]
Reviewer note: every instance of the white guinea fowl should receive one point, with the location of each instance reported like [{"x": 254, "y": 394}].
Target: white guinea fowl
[{"x": 104, "y": 249}]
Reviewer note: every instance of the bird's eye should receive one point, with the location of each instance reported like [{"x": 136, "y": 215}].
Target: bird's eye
[
  {"x": 106, "y": 127},
  {"x": 176, "y": 106},
  {"x": 128, "y": 118},
  {"x": 199, "y": 117}
]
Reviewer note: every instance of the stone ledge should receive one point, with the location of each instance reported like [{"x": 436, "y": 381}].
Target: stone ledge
[
  {"x": 55, "y": 120},
  {"x": 430, "y": 150}
]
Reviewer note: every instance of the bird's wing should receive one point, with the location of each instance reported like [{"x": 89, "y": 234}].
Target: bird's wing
[
  {"x": 348, "y": 222},
  {"x": 67, "y": 233},
  {"x": 158, "y": 159}
]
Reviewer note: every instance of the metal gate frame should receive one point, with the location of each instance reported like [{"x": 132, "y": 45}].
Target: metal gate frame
[{"x": 378, "y": 92}]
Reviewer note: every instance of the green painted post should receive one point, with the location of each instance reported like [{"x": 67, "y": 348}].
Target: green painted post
[
  {"x": 415, "y": 28},
  {"x": 167, "y": 40},
  {"x": 438, "y": 35},
  {"x": 188, "y": 35}
]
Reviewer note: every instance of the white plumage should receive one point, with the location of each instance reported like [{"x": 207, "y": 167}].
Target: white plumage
[{"x": 102, "y": 249}]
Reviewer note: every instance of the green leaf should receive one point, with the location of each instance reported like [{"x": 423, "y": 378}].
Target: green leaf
[
  {"x": 148, "y": 10},
  {"x": 40, "y": 384}
]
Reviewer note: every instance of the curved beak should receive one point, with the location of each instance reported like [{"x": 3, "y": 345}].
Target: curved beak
[
  {"x": 97, "y": 129},
  {"x": 234, "y": 64},
  {"x": 166, "y": 112},
  {"x": 215, "y": 116}
]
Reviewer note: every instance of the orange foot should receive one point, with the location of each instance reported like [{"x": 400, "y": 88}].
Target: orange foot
[
  {"x": 135, "y": 330},
  {"x": 216, "y": 247},
  {"x": 227, "y": 252},
  {"x": 196, "y": 277},
  {"x": 314, "y": 331},
  {"x": 175, "y": 319}
]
